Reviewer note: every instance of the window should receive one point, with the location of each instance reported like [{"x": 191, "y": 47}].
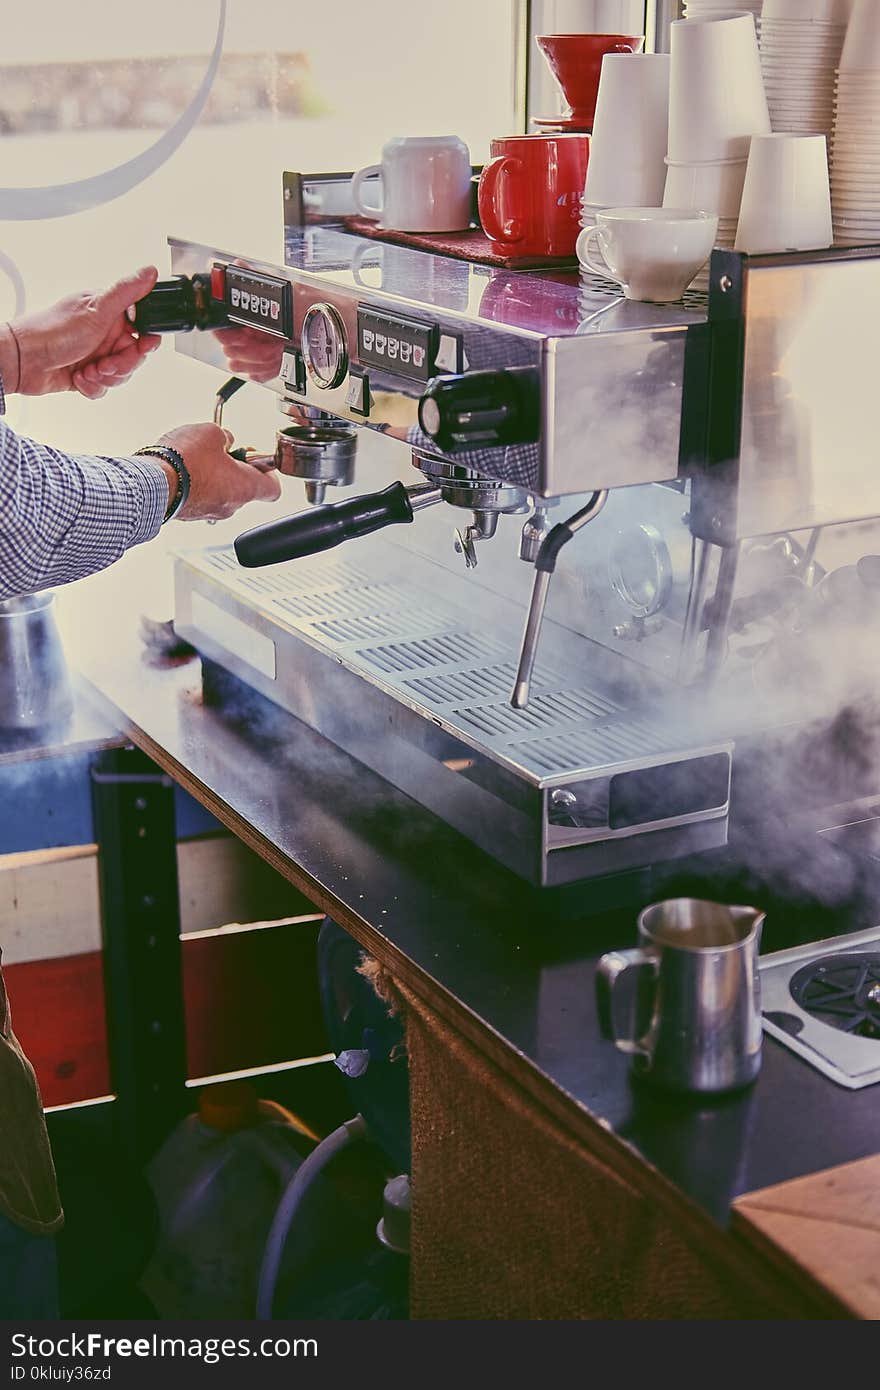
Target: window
[{"x": 298, "y": 86}]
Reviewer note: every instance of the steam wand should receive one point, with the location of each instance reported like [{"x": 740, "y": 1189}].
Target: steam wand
[
  {"x": 545, "y": 564},
  {"x": 265, "y": 463}
]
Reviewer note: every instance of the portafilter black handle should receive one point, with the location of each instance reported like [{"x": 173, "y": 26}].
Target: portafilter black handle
[{"x": 320, "y": 528}]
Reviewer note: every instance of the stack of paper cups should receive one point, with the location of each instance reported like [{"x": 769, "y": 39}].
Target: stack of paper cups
[
  {"x": 628, "y": 143},
  {"x": 801, "y": 42},
  {"x": 855, "y": 153},
  {"x": 716, "y": 104}
]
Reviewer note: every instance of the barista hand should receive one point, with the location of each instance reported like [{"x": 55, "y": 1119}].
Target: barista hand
[
  {"x": 251, "y": 353},
  {"x": 83, "y": 343},
  {"x": 219, "y": 484}
]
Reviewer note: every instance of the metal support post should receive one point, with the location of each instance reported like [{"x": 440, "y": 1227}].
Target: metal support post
[{"x": 135, "y": 830}]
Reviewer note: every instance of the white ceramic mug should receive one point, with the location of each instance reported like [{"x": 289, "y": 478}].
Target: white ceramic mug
[
  {"x": 426, "y": 184},
  {"x": 654, "y": 253}
]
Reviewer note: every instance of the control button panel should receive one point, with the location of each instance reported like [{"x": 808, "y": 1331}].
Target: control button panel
[
  {"x": 402, "y": 347},
  {"x": 260, "y": 301}
]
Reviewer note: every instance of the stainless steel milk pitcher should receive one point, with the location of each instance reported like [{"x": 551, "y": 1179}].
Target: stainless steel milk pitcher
[{"x": 686, "y": 1002}]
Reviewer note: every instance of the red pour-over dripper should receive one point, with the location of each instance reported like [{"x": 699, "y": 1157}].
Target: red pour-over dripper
[{"x": 575, "y": 61}]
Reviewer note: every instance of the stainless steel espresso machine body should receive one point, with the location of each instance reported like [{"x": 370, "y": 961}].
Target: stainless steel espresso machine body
[{"x": 695, "y": 445}]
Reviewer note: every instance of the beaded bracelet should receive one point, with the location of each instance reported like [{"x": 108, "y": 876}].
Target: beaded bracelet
[{"x": 172, "y": 457}]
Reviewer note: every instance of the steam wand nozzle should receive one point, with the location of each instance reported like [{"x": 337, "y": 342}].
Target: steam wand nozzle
[
  {"x": 545, "y": 564},
  {"x": 227, "y": 390}
]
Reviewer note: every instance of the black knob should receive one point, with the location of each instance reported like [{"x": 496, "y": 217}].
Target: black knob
[
  {"x": 321, "y": 528},
  {"x": 482, "y": 409},
  {"x": 177, "y": 306}
]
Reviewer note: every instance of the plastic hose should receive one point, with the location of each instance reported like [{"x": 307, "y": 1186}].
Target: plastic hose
[{"x": 290, "y": 1203}]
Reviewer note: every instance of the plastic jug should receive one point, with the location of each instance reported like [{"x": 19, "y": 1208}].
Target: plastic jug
[{"x": 217, "y": 1180}]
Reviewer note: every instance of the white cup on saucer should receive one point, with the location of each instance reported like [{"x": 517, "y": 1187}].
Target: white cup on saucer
[{"x": 653, "y": 253}]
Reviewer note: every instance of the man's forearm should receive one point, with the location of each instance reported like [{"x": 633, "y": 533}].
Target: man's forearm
[
  {"x": 63, "y": 516},
  {"x": 10, "y": 360}
]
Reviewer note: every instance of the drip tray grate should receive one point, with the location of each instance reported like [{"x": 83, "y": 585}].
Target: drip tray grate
[
  {"x": 562, "y": 707},
  {"x": 428, "y": 653},
  {"x": 338, "y": 602},
  {"x": 484, "y": 683},
  {"x": 442, "y": 650},
  {"x": 623, "y": 740},
  {"x": 304, "y": 577}
]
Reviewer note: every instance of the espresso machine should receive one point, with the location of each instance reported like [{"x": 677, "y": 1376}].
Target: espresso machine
[{"x": 590, "y": 550}]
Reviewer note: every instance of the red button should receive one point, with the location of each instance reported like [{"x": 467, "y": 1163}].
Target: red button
[{"x": 218, "y": 283}]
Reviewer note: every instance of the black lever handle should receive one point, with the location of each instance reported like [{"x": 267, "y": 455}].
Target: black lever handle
[
  {"x": 320, "y": 528},
  {"x": 178, "y": 306}
]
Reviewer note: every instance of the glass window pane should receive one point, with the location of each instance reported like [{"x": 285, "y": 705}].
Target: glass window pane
[{"x": 298, "y": 86}]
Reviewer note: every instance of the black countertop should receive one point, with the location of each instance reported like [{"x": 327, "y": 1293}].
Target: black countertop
[{"x": 515, "y": 967}]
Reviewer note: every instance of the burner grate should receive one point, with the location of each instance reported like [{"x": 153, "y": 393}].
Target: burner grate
[{"x": 842, "y": 991}]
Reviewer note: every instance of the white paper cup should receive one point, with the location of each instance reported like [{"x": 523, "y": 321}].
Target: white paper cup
[
  {"x": 628, "y": 143},
  {"x": 861, "y": 49},
  {"x": 825, "y": 11},
  {"x": 716, "y": 93},
  {"x": 786, "y": 203},
  {"x": 706, "y": 187},
  {"x": 654, "y": 253}
]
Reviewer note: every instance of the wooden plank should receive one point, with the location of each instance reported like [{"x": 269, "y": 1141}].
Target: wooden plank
[
  {"x": 222, "y": 881},
  {"x": 251, "y": 1000},
  {"x": 49, "y": 906},
  {"x": 848, "y": 1194},
  {"x": 58, "y": 1015},
  {"x": 30, "y": 858},
  {"x": 825, "y": 1225}
]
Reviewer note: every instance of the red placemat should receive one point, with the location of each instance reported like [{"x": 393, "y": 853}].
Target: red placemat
[{"x": 472, "y": 245}]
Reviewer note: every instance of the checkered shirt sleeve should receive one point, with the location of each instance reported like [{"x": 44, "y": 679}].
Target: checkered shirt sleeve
[{"x": 63, "y": 516}]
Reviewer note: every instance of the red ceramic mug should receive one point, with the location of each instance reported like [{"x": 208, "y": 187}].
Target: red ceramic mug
[
  {"x": 530, "y": 192},
  {"x": 575, "y": 60}
]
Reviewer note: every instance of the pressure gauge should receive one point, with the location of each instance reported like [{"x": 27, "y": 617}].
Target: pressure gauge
[
  {"x": 640, "y": 570},
  {"x": 323, "y": 346}
]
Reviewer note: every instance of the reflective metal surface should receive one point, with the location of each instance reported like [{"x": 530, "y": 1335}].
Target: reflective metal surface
[
  {"x": 734, "y": 439},
  {"x": 35, "y": 690},
  {"x": 610, "y": 384},
  {"x": 850, "y": 1059},
  {"x": 685, "y": 1004},
  {"x": 390, "y": 658},
  {"x": 804, "y": 454}
]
